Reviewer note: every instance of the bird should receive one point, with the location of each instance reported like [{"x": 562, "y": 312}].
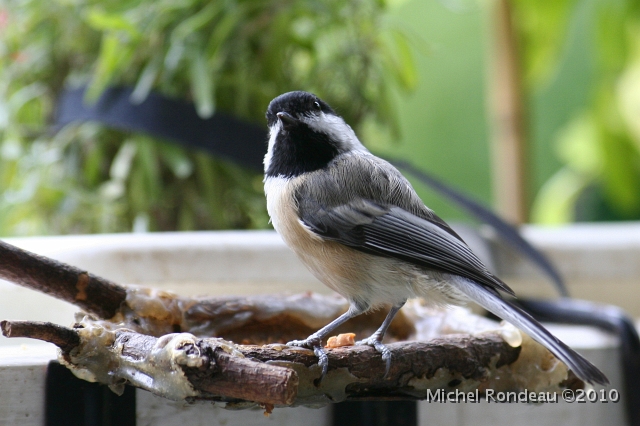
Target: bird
[{"x": 361, "y": 229}]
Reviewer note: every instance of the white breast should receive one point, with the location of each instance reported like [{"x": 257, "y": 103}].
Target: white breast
[
  {"x": 362, "y": 278},
  {"x": 284, "y": 215}
]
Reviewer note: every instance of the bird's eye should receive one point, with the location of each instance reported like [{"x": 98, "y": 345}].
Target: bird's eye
[{"x": 316, "y": 104}]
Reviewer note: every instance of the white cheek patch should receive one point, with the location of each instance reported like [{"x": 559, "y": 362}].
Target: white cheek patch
[
  {"x": 273, "y": 133},
  {"x": 336, "y": 129},
  {"x": 329, "y": 124}
]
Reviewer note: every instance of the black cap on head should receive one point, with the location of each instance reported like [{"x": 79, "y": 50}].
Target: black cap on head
[
  {"x": 297, "y": 147},
  {"x": 296, "y": 104}
]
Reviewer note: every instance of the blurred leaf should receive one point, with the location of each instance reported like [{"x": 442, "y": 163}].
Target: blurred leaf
[
  {"x": 141, "y": 223},
  {"x": 403, "y": 67},
  {"x": 103, "y": 21},
  {"x": 139, "y": 199},
  {"x": 94, "y": 156},
  {"x": 622, "y": 177},
  {"x": 121, "y": 164},
  {"x": 628, "y": 97},
  {"x": 556, "y": 200},
  {"x": 202, "y": 85},
  {"x": 113, "y": 54},
  {"x": 611, "y": 33},
  {"x": 25, "y": 94},
  {"x": 579, "y": 145},
  {"x": 544, "y": 27},
  {"x": 148, "y": 164},
  {"x": 146, "y": 81},
  {"x": 4, "y": 115},
  {"x": 194, "y": 23},
  {"x": 207, "y": 181},
  {"x": 223, "y": 29},
  {"x": 186, "y": 221},
  {"x": 177, "y": 160},
  {"x": 112, "y": 190},
  {"x": 174, "y": 55},
  {"x": 10, "y": 149}
]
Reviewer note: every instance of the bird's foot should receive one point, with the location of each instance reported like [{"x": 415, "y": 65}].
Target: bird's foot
[
  {"x": 315, "y": 344},
  {"x": 374, "y": 341}
]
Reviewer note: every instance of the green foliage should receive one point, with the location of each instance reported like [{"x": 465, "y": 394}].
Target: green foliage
[
  {"x": 227, "y": 55},
  {"x": 543, "y": 27},
  {"x": 600, "y": 146}
]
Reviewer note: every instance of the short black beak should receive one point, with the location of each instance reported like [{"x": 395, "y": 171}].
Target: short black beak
[{"x": 288, "y": 121}]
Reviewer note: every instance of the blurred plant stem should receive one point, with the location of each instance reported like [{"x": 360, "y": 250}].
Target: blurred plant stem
[{"x": 506, "y": 108}]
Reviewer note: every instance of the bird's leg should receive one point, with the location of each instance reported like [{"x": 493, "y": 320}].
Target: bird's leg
[
  {"x": 314, "y": 341},
  {"x": 375, "y": 339}
]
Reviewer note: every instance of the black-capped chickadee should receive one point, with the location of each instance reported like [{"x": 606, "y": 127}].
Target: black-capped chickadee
[{"x": 362, "y": 230}]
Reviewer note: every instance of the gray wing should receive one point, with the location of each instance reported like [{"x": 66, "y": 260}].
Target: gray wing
[
  {"x": 364, "y": 202},
  {"x": 391, "y": 231}
]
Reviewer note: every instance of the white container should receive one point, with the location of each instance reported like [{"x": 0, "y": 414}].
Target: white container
[{"x": 257, "y": 262}]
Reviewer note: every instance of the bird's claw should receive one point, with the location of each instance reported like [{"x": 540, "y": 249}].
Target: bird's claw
[
  {"x": 315, "y": 344},
  {"x": 308, "y": 343},
  {"x": 381, "y": 348},
  {"x": 323, "y": 362}
]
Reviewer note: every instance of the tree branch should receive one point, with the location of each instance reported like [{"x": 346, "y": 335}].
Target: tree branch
[
  {"x": 215, "y": 369},
  {"x": 93, "y": 294},
  {"x": 65, "y": 338}
]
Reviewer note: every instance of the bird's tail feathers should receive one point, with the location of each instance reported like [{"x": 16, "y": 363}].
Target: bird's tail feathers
[{"x": 491, "y": 301}]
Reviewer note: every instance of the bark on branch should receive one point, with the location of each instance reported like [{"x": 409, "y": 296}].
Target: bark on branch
[
  {"x": 64, "y": 338},
  {"x": 278, "y": 375},
  {"x": 93, "y": 294}
]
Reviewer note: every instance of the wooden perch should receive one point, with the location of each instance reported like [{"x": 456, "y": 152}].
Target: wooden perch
[
  {"x": 147, "y": 338},
  {"x": 64, "y": 338},
  {"x": 93, "y": 294},
  {"x": 223, "y": 374},
  {"x": 277, "y": 375}
]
